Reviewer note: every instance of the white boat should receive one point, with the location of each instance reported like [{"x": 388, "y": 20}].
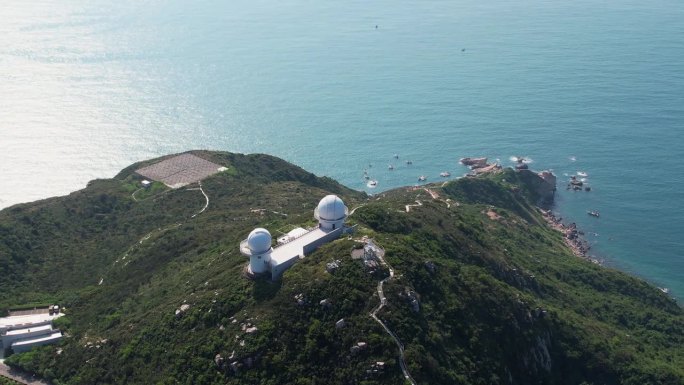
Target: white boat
[
  {"x": 372, "y": 183},
  {"x": 582, "y": 174},
  {"x": 390, "y": 167},
  {"x": 396, "y": 156},
  {"x": 422, "y": 178},
  {"x": 445, "y": 174}
]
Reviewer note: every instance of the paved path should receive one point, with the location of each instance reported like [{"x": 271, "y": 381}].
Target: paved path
[
  {"x": 170, "y": 227},
  {"x": 355, "y": 208},
  {"x": 408, "y": 207},
  {"x": 205, "y": 197},
  {"x": 373, "y": 314},
  {"x": 6, "y": 371},
  {"x": 134, "y": 192},
  {"x": 434, "y": 196},
  {"x": 432, "y": 193}
]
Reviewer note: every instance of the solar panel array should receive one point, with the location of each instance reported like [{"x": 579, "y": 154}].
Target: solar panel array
[{"x": 180, "y": 170}]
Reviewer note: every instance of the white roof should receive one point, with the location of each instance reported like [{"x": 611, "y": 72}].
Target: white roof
[
  {"x": 297, "y": 232},
  {"x": 30, "y": 341},
  {"x": 292, "y": 234},
  {"x": 295, "y": 248},
  {"x": 331, "y": 208},
  {"x": 29, "y": 330},
  {"x": 26, "y": 320}
]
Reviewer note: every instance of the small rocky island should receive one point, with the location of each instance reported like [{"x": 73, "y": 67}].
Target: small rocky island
[{"x": 463, "y": 281}]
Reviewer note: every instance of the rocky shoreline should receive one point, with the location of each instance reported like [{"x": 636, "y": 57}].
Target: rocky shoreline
[{"x": 572, "y": 235}]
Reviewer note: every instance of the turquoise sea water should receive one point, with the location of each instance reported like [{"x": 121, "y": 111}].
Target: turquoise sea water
[{"x": 88, "y": 87}]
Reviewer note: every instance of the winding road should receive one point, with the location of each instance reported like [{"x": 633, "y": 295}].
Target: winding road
[
  {"x": 161, "y": 230},
  {"x": 373, "y": 314},
  {"x": 355, "y": 208},
  {"x": 408, "y": 207},
  {"x": 205, "y": 197},
  {"x": 133, "y": 194}
]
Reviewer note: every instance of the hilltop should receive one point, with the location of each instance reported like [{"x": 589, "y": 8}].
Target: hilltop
[{"x": 500, "y": 298}]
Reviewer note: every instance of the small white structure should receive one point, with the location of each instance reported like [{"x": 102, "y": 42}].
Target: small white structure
[{"x": 331, "y": 214}]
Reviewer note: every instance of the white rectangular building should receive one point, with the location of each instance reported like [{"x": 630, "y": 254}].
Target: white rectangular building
[
  {"x": 22, "y": 332},
  {"x": 284, "y": 256},
  {"x": 27, "y": 344}
]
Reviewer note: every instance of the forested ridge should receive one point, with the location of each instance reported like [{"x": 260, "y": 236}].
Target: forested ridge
[{"x": 502, "y": 300}]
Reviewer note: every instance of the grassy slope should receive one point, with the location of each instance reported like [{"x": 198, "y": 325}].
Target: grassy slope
[
  {"x": 507, "y": 300},
  {"x": 478, "y": 322},
  {"x": 51, "y": 247}
]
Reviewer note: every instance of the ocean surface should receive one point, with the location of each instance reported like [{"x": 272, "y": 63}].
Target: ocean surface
[{"x": 89, "y": 87}]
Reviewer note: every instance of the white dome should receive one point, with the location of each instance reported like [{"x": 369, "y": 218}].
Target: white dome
[
  {"x": 331, "y": 208},
  {"x": 259, "y": 241}
]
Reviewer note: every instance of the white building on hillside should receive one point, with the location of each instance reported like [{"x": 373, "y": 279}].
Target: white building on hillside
[
  {"x": 23, "y": 332},
  {"x": 331, "y": 214}
]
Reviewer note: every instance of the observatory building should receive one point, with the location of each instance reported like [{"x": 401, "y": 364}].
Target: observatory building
[{"x": 263, "y": 258}]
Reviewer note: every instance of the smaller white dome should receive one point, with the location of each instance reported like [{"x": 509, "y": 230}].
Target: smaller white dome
[
  {"x": 331, "y": 208},
  {"x": 259, "y": 241}
]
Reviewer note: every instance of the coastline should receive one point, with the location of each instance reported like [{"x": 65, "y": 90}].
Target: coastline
[{"x": 572, "y": 236}]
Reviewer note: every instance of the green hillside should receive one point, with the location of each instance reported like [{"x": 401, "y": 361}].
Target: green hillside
[{"x": 502, "y": 300}]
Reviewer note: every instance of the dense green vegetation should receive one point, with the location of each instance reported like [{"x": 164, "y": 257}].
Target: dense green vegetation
[
  {"x": 502, "y": 300},
  {"x": 7, "y": 381}
]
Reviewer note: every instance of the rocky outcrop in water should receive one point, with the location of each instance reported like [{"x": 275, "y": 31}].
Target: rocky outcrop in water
[{"x": 542, "y": 184}]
